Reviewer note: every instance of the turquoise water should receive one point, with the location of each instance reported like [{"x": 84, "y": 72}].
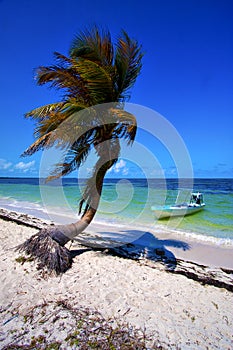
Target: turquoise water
[{"x": 128, "y": 202}]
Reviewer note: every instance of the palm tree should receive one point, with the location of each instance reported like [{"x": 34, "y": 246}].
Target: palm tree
[{"x": 96, "y": 73}]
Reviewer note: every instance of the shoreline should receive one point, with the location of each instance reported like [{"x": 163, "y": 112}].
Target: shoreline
[
  {"x": 174, "y": 244},
  {"x": 175, "y": 311},
  {"x": 206, "y": 263},
  {"x": 179, "y": 246}
]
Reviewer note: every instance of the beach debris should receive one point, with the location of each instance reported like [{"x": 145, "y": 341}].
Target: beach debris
[
  {"x": 22, "y": 259},
  {"x": 22, "y": 219},
  {"x": 154, "y": 258},
  {"x": 206, "y": 275},
  {"x": 51, "y": 256},
  {"x": 10, "y": 319},
  {"x": 76, "y": 327}
]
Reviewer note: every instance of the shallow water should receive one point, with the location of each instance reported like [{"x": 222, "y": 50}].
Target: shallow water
[{"x": 128, "y": 202}]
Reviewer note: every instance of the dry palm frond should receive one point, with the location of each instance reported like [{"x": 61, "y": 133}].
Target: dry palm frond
[
  {"x": 41, "y": 143},
  {"x": 43, "y": 112},
  {"x": 62, "y": 77},
  {"x": 126, "y": 124},
  {"x": 50, "y": 254}
]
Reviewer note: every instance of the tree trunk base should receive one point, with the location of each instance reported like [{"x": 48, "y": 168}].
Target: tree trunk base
[{"x": 50, "y": 254}]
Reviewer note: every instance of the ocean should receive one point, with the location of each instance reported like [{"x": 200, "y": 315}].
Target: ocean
[{"x": 127, "y": 203}]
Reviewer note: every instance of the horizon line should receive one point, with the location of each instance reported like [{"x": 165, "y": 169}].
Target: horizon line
[{"x": 117, "y": 178}]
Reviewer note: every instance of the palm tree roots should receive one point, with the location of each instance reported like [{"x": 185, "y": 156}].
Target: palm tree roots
[{"x": 50, "y": 254}]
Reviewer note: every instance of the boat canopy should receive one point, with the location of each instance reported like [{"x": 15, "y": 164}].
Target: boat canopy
[{"x": 196, "y": 198}]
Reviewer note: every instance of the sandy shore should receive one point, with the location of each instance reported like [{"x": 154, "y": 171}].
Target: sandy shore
[
  {"x": 174, "y": 245},
  {"x": 175, "y": 311}
]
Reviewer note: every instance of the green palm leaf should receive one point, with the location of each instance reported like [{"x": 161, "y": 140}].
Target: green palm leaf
[
  {"x": 97, "y": 80},
  {"x": 94, "y": 73},
  {"x": 128, "y": 63},
  {"x": 94, "y": 45},
  {"x": 75, "y": 157}
]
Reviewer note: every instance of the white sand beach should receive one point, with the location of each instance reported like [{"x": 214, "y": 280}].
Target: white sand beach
[{"x": 176, "y": 312}]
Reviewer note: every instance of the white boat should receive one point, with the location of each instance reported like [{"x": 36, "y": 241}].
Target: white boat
[{"x": 196, "y": 204}]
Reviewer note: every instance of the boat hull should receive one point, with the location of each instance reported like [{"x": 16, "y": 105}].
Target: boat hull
[{"x": 164, "y": 213}]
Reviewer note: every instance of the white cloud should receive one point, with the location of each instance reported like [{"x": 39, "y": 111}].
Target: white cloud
[
  {"x": 155, "y": 173},
  {"x": 120, "y": 167},
  {"x": 171, "y": 171},
  {"x": 4, "y": 164},
  {"x": 25, "y": 167},
  {"x": 125, "y": 171},
  {"x": 7, "y": 167}
]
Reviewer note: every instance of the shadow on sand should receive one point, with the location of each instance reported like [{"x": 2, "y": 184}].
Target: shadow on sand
[
  {"x": 124, "y": 244},
  {"x": 152, "y": 248}
]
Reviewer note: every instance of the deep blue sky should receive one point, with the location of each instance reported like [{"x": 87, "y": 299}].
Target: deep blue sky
[{"x": 187, "y": 73}]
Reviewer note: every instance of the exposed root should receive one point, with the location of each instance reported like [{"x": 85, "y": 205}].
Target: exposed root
[{"x": 49, "y": 253}]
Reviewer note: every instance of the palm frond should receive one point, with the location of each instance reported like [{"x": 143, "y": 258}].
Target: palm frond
[
  {"x": 94, "y": 45},
  {"x": 71, "y": 116},
  {"x": 126, "y": 124},
  {"x": 55, "y": 75},
  {"x": 63, "y": 169},
  {"x": 73, "y": 106},
  {"x": 127, "y": 62},
  {"x": 64, "y": 78},
  {"x": 97, "y": 80},
  {"x": 47, "y": 125},
  {"x": 45, "y": 111},
  {"x": 75, "y": 157},
  {"x": 44, "y": 141},
  {"x": 63, "y": 60}
]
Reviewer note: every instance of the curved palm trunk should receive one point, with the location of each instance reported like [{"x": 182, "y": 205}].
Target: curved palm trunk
[
  {"x": 64, "y": 233},
  {"x": 48, "y": 245}
]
